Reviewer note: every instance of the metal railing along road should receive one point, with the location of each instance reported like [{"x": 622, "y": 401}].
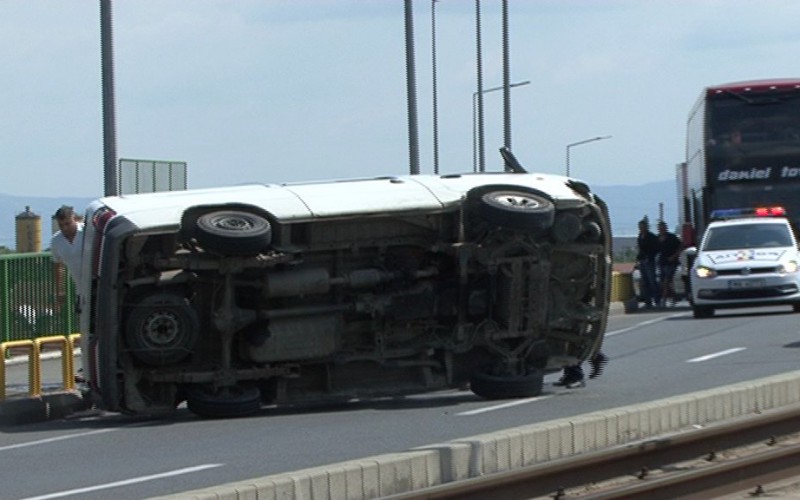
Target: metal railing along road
[
  {"x": 34, "y": 349},
  {"x": 29, "y": 303},
  {"x": 33, "y": 317}
]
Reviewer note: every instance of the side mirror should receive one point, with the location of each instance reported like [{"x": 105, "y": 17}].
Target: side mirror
[{"x": 691, "y": 252}]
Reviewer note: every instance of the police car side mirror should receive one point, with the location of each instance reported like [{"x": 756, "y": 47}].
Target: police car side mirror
[{"x": 691, "y": 252}]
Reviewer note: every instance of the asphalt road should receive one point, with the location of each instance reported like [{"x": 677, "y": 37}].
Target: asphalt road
[{"x": 654, "y": 355}]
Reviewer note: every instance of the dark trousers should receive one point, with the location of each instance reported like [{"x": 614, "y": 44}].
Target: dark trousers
[{"x": 650, "y": 289}]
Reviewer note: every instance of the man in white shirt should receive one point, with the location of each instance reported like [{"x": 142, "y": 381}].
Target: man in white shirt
[{"x": 66, "y": 247}]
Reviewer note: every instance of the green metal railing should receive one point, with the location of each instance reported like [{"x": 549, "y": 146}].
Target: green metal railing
[{"x": 29, "y": 305}]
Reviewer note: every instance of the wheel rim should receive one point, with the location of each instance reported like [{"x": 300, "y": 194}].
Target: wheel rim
[
  {"x": 161, "y": 328},
  {"x": 516, "y": 200},
  {"x": 232, "y": 223}
]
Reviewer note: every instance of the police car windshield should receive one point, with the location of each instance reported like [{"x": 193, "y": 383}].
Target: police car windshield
[{"x": 754, "y": 235}]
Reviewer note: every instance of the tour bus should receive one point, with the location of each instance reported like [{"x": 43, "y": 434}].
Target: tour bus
[
  {"x": 232, "y": 298},
  {"x": 742, "y": 150}
]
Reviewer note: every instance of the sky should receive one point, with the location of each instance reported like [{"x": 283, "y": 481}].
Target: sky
[{"x": 294, "y": 90}]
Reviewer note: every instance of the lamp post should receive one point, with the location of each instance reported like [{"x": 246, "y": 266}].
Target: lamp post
[
  {"x": 110, "y": 181},
  {"x": 475, "y": 120},
  {"x": 600, "y": 138}
]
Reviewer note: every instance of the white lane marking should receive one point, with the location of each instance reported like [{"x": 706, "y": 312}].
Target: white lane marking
[
  {"x": 54, "y": 439},
  {"x": 501, "y": 406},
  {"x": 644, "y": 323},
  {"x": 716, "y": 355},
  {"x": 78, "y": 491}
]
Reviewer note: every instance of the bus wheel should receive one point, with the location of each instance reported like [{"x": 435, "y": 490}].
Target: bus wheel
[
  {"x": 233, "y": 232},
  {"x": 224, "y": 402},
  {"x": 489, "y": 386},
  {"x": 162, "y": 328}
]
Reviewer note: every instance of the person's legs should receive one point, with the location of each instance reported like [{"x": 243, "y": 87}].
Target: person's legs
[
  {"x": 598, "y": 362},
  {"x": 650, "y": 289},
  {"x": 572, "y": 377},
  {"x": 667, "y": 290},
  {"x": 576, "y": 377},
  {"x": 562, "y": 380}
]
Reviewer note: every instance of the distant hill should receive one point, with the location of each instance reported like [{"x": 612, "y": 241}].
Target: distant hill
[{"x": 627, "y": 204}]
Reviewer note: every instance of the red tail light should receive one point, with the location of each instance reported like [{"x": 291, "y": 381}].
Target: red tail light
[{"x": 99, "y": 221}]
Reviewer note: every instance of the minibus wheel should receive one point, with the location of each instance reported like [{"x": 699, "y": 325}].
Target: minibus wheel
[
  {"x": 514, "y": 207},
  {"x": 223, "y": 402},
  {"x": 162, "y": 328},
  {"x": 233, "y": 232}
]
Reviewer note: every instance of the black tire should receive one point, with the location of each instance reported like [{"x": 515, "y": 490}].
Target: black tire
[
  {"x": 591, "y": 232},
  {"x": 162, "y": 328},
  {"x": 490, "y": 386},
  {"x": 796, "y": 307},
  {"x": 226, "y": 402},
  {"x": 700, "y": 312},
  {"x": 567, "y": 226},
  {"x": 517, "y": 209},
  {"x": 233, "y": 232}
]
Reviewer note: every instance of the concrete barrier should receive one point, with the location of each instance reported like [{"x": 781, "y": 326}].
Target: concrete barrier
[{"x": 509, "y": 449}]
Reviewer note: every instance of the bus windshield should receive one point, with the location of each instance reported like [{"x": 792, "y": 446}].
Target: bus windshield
[
  {"x": 736, "y": 195},
  {"x": 753, "y": 132}
]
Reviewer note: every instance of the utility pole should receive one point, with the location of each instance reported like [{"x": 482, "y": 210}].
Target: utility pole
[
  {"x": 411, "y": 88},
  {"x": 506, "y": 84},
  {"x": 435, "y": 96},
  {"x": 480, "y": 166},
  {"x": 109, "y": 118}
]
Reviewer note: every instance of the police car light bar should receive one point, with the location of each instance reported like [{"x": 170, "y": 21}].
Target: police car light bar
[{"x": 732, "y": 213}]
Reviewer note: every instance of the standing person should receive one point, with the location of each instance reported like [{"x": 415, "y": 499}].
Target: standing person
[
  {"x": 65, "y": 247},
  {"x": 647, "y": 243},
  {"x": 669, "y": 250}
]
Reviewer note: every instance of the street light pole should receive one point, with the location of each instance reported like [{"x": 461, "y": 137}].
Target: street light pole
[
  {"x": 411, "y": 92},
  {"x": 110, "y": 181},
  {"x": 600, "y": 138},
  {"x": 475, "y": 120}
]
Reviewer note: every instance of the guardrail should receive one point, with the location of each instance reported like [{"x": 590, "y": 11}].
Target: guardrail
[
  {"x": 34, "y": 348},
  {"x": 30, "y": 305}
]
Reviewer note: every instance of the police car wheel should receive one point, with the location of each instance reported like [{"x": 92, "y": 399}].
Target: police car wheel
[{"x": 700, "y": 312}]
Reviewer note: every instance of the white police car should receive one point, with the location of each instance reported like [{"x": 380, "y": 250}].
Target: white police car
[{"x": 747, "y": 257}]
